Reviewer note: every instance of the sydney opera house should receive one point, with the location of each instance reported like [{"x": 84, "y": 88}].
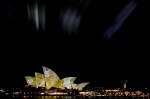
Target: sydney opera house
[{"x": 49, "y": 80}]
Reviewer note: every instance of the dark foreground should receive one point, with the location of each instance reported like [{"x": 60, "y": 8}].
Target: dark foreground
[{"x": 70, "y": 97}]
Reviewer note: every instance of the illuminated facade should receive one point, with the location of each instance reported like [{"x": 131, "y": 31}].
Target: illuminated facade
[
  {"x": 68, "y": 81},
  {"x": 74, "y": 86},
  {"x": 50, "y": 79},
  {"x": 30, "y": 80},
  {"x": 82, "y": 85},
  {"x": 39, "y": 80}
]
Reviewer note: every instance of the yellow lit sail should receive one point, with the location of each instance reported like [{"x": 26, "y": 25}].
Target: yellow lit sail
[
  {"x": 30, "y": 80},
  {"x": 51, "y": 77},
  {"x": 74, "y": 86},
  {"x": 39, "y": 80},
  {"x": 59, "y": 84},
  {"x": 82, "y": 85},
  {"x": 68, "y": 81}
]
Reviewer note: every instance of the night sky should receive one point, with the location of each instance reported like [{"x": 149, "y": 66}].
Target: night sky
[{"x": 87, "y": 55}]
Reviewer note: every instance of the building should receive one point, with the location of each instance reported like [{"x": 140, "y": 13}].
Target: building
[{"x": 50, "y": 82}]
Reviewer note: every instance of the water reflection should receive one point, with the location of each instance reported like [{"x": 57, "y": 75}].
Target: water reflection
[
  {"x": 76, "y": 97},
  {"x": 56, "y": 97}
]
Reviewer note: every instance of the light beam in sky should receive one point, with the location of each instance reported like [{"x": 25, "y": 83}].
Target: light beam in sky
[
  {"x": 70, "y": 18},
  {"x": 37, "y": 14},
  {"x": 122, "y": 16}
]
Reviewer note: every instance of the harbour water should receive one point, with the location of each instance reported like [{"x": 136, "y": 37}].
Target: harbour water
[{"x": 71, "y": 97}]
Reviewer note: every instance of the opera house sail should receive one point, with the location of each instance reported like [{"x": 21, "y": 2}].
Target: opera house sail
[
  {"x": 30, "y": 80},
  {"x": 68, "y": 81},
  {"x": 50, "y": 79},
  {"x": 82, "y": 85},
  {"x": 39, "y": 80}
]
